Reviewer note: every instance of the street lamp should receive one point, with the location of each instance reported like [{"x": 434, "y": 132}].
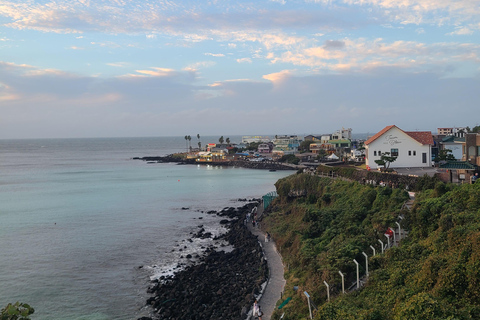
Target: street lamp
[{"x": 373, "y": 250}]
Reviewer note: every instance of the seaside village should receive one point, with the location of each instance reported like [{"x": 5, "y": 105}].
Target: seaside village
[{"x": 451, "y": 153}]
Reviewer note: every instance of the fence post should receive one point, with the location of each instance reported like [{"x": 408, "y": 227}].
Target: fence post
[
  {"x": 343, "y": 281},
  {"x": 308, "y": 299},
  {"x": 358, "y": 274},
  {"x": 381, "y": 242},
  {"x": 366, "y": 262},
  {"x": 399, "y": 232},
  {"x": 328, "y": 290}
]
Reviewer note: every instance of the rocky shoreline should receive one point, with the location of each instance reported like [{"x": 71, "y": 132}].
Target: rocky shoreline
[
  {"x": 221, "y": 285},
  {"x": 266, "y": 165}
]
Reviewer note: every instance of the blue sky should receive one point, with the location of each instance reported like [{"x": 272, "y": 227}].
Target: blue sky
[{"x": 116, "y": 68}]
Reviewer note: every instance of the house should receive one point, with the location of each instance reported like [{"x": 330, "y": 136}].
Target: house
[
  {"x": 342, "y": 134},
  {"x": 454, "y": 144},
  {"x": 311, "y": 138},
  {"x": 264, "y": 148},
  {"x": 412, "y": 148}
]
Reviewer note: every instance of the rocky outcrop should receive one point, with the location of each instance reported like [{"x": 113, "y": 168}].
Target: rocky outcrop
[{"x": 221, "y": 285}]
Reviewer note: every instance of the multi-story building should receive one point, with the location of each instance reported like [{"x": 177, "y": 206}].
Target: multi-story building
[
  {"x": 286, "y": 145},
  {"x": 250, "y": 139}
]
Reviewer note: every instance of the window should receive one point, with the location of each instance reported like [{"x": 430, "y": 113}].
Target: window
[
  {"x": 409, "y": 152},
  {"x": 414, "y": 152},
  {"x": 394, "y": 152},
  {"x": 375, "y": 153},
  {"x": 424, "y": 157}
]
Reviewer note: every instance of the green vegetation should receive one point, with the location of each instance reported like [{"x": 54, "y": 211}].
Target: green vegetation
[
  {"x": 16, "y": 311},
  {"x": 445, "y": 155},
  {"x": 320, "y": 225},
  {"x": 289, "y": 158},
  {"x": 385, "y": 160},
  {"x": 305, "y": 146}
]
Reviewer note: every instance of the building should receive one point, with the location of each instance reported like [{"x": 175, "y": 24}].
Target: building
[
  {"x": 250, "y": 139},
  {"x": 344, "y": 134},
  {"x": 455, "y": 144},
  {"x": 285, "y": 145},
  {"x": 264, "y": 148},
  {"x": 412, "y": 148}
]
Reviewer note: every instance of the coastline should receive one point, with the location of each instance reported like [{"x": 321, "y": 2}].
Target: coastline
[
  {"x": 267, "y": 165},
  {"x": 222, "y": 284}
]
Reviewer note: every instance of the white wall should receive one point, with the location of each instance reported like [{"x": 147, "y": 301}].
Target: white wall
[{"x": 397, "y": 139}]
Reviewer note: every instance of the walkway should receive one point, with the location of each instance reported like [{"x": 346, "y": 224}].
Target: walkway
[{"x": 276, "y": 281}]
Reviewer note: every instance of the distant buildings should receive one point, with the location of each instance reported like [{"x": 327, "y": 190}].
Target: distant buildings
[{"x": 285, "y": 145}]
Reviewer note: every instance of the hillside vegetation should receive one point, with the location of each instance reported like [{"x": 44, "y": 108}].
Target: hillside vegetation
[{"x": 320, "y": 225}]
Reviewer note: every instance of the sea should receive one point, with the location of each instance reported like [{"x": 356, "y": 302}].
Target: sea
[{"x": 84, "y": 228}]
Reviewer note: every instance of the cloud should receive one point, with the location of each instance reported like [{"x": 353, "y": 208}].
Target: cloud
[
  {"x": 43, "y": 103},
  {"x": 244, "y": 60},
  {"x": 461, "y": 31},
  {"x": 215, "y": 54}
]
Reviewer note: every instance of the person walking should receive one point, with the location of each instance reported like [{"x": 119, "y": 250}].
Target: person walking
[{"x": 256, "y": 308}]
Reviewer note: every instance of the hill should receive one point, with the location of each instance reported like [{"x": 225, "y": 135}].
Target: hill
[{"x": 321, "y": 225}]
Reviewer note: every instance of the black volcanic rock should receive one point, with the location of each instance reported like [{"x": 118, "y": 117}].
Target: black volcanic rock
[{"x": 221, "y": 284}]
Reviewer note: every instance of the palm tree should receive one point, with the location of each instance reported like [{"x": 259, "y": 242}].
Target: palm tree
[
  {"x": 227, "y": 140},
  {"x": 189, "y": 143},
  {"x": 221, "y": 140},
  {"x": 199, "y": 145},
  {"x": 186, "y": 143}
]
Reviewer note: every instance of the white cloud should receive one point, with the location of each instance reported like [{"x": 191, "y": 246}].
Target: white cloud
[
  {"x": 244, "y": 60},
  {"x": 215, "y": 54},
  {"x": 461, "y": 31}
]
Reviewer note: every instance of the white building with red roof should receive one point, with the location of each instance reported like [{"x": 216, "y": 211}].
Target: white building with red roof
[{"x": 413, "y": 149}]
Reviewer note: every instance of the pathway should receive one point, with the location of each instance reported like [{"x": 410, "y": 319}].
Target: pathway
[{"x": 276, "y": 281}]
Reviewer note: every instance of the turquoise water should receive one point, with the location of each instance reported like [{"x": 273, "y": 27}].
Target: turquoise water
[{"x": 78, "y": 218}]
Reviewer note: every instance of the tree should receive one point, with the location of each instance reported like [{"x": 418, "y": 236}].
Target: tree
[
  {"x": 227, "y": 140},
  {"x": 445, "y": 155},
  {"x": 385, "y": 160},
  {"x": 190, "y": 139},
  {"x": 221, "y": 140},
  {"x": 305, "y": 145},
  {"x": 186, "y": 142},
  {"x": 199, "y": 145},
  {"x": 16, "y": 311}
]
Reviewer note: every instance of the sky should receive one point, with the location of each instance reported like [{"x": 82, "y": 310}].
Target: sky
[{"x": 131, "y": 68}]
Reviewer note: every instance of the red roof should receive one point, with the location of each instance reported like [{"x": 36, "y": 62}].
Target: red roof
[
  {"x": 380, "y": 133},
  {"x": 423, "y": 137}
]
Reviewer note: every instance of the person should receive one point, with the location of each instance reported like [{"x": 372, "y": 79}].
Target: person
[
  {"x": 475, "y": 177},
  {"x": 260, "y": 313},
  {"x": 256, "y": 308}
]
